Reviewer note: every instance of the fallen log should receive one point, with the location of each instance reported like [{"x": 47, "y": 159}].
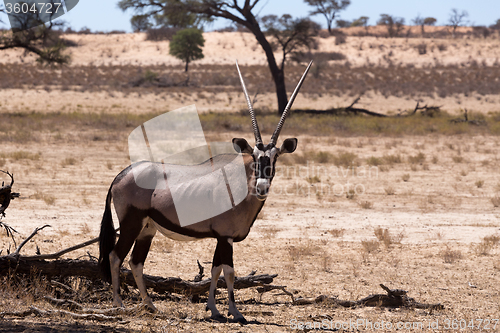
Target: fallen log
[{"x": 63, "y": 268}]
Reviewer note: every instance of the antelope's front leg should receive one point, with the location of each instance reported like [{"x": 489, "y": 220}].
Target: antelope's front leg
[
  {"x": 225, "y": 247},
  {"x": 229, "y": 277}
]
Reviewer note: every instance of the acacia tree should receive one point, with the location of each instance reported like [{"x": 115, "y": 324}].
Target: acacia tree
[
  {"x": 41, "y": 40},
  {"x": 457, "y": 19},
  {"x": 291, "y": 35},
  {"x": 232, "y": 10},
  {"x": 186, "y": 45},
  {"x": 360, "y": 22},
  {"x": 394, "y": 24},
  {"x": 328, "y": 8}
]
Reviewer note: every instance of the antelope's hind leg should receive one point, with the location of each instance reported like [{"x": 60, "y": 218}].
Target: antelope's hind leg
[
  {"x": 139, "y": 254},
  {"x": 130, "y": 226}
]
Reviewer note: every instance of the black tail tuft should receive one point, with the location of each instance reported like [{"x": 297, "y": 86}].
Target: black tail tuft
[{"x": 107, "y": 239}]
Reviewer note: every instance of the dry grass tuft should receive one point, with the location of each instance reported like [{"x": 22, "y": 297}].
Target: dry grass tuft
[
  {"x": 68, "y": 161},
  {"x": 487, "y": 244},
  {"x": 303, "y": 250},
  {"x": 21, "y": 155},
  {"x": 450, "y": 256},
  {"x": 389, "y": 190},
  {"x": 393, "y": 159},
  {"x": 47, "y": 198},
  {"x": 417, "y": 159},
  {"x": 374, "y": 161},
  {"x": 351, "y": 194},
  {"x": 370, "y": 246},
  {"x": 270, "y": 232},
  {"x": 366, "y": 204},
  {"x": 337, "y": 233},
  {"x": 313, "y": 180},
  {"x": 345, "y": 159},
  {"x": 384, "y": 236}
]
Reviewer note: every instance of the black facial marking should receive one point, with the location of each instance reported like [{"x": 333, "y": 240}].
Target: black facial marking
[{"x": 263, "y": 169}]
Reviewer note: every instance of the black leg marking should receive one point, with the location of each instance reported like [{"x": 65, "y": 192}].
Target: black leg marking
[
  {"x": 141, "y": 250},
  {"x": 223, "y": 253},
  {"x": 130, "y": 228}
]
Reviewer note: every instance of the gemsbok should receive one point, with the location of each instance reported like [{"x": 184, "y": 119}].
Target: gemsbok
[{"x": 143, "y": 211}]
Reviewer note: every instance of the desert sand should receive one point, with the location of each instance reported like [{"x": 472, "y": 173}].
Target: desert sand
[{"x": 437, "y": 201}]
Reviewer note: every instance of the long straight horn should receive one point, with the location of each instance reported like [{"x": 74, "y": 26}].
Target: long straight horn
[
  {"x": 276, "y": 133},
  {"x": 256, "y": 131}
]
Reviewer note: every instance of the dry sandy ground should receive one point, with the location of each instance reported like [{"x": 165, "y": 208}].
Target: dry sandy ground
[
  {"x": 317, "y": 241},
  {"x": 25, "y": 100},
  {"x": 224, "y": 48},
  {"x": 311, "y": 237}
]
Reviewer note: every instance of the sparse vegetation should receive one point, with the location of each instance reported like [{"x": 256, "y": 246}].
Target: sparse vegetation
[
  {"x": 315, "y": 238},
  {"x": 417, "y": 159},
  {"x": 68, "y": 161},
  {"x": 21, "y": 155},
  {"x": 487, "y": 244},
  {"x": 384, "y": 236},
  {"x": 370, "y": 246},
  {"x": 374, "y": 161},
  {"x": 345, "y": 159},
  {"x": 365, "y": 204},
  {"x": 47, "y": 198},
  {"x": 337, "y": 232},
  {"x": 450, "y": 256},
  {"x": 393, "y": 159},
  {"x": 389, "y": 190}
]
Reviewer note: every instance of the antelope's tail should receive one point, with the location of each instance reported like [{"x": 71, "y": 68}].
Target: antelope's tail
[{"x": 107, "y": 239}]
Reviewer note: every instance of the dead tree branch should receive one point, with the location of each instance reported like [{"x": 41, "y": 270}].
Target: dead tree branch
[
  {"x": 354, "y": 110},
  {"x": 6, "y": 194},
  {"x": 37, "y": 229},
  {"x": 466, "y": 120},
  {"x": 33, "y": 310},
  {"x": 393, "y": 298}
]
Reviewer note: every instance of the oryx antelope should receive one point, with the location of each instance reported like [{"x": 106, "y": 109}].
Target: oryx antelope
[{"x": 141, "y": 212}]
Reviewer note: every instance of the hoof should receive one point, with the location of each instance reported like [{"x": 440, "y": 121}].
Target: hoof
[
  {"x": 118, "y": 304},
  {"x": 151, "y": 308},
  {"x": 219, "y": 318},
  {"x": 240, "y": 320}
]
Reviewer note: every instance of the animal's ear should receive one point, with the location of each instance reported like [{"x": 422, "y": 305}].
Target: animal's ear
[
  {"x": 242, "y": 146},
  {"x": 288, "y": 146}
]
